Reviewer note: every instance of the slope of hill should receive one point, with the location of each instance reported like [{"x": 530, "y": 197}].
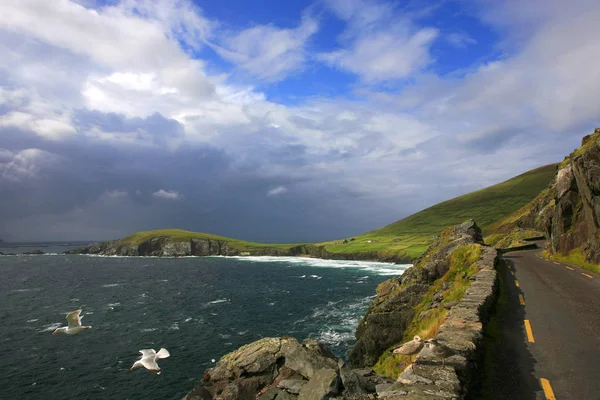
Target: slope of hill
[
  {"x": 413, "y": 234},
  {"x": 568, "y": 209},
  {"x": 401, "y": 241}
]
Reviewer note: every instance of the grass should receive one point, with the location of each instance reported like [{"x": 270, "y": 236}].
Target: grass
[
  {"x": 575, "y": 257},
  {"x": 180, "y": 235},
  {"x": 413, "y": 234},
  {"x": 463, "y": 265},
  {"x": 513, "y": 239}
]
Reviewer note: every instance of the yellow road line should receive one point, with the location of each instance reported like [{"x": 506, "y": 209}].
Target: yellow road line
[
  {"x": 521, "y": 299},
  {"x": 548, "y": 392},
  {"x": 529, "y": 331},
  {"x": 513, "y": 274},
  {"x": 556, "y": 263},
  {"x": 589, "y": 276},
  {"x": 566, "y": 266},
  {"x": 516, "y": 283}
]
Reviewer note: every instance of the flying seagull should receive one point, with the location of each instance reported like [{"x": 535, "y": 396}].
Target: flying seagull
[
  {"x": 149, "y": 358},
  {"x": 440, "y": 350},
  {"x": 74, "y": 320},
  {"x": 410, "y": 348}
]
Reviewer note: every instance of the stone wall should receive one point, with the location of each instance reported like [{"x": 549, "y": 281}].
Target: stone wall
[{"x": 462, "y": 331}]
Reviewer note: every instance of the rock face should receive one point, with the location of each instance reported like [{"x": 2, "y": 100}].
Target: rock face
[
  {"x": 393, "y": 308},
  {"x": 568, "y": 211},
  {"x": 272, "y": 364},
  {"x": 166, "y": 247},
  {"x": 160, "y": 247}
]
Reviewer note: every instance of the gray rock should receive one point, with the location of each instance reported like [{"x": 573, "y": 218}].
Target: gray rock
[
  {"x": 323, "y": 384},
  {"x": 292, "y": 385},
  {"x": 352, "y": 380}
]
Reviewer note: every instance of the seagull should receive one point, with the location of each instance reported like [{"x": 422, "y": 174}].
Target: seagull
[
  {"x": 149, "y": 358},
  {"x": 410, "y": 348},
  {"x": 440, "y": 350},
  {"x": 74, "y": 320}
]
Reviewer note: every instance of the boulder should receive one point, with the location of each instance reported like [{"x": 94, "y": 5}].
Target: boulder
[
  {"x": 324, "y": 384},
  {"x": 269, "y": 364}
]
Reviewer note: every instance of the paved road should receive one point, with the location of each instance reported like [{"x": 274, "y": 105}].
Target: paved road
[{"x": 562, "y": 304}]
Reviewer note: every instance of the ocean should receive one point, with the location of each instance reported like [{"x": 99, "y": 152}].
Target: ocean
[{"x": 197, "y": 308}]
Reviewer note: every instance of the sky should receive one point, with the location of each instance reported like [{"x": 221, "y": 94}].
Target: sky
[{"x": 279, "y": 121}]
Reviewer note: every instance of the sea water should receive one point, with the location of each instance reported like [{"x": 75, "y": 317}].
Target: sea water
[{"x": 199, "y": 308}]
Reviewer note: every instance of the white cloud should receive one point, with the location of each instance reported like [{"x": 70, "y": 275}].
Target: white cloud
[
  {"x": 167, "y": 194},
  {"x": 268, "y": 52},
  {"x": 279, "y": 190},
  {"x": 460, "y": 39},
  {"x": 380, "y": 43},
  {"x": 385, "y": 56},
  {"x": 25, "y": 164}
]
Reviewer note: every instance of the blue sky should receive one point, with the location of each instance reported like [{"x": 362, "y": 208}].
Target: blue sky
[{"x": 279, "y": 120}]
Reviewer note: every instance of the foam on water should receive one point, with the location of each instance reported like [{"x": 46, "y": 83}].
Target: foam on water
[{"x": 379, "y": 268}]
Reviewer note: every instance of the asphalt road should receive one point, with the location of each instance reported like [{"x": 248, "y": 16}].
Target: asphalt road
[{"x": 562, "y": 304}]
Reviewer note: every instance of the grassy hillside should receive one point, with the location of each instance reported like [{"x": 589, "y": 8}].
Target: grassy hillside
[
  {"x": 414, "y": 233},
  {"x": 181, "y": 235}
]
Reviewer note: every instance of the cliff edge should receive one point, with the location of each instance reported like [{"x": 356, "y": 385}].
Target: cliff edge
[{"x": 568, "y": 210}]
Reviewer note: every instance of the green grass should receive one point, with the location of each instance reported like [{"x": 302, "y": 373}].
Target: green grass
[
  {"x": 575, "y": 257},
  {"x": 514, "y": 239},
  {"x": 412, "y": 235},
  {"x": 180, "y": 235},
  {"x": 463, "y": 265}
]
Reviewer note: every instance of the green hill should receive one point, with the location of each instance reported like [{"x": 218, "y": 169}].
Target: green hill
[{"x": 413, "y": 234}]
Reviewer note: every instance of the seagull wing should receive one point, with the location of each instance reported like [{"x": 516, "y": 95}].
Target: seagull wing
[
  {"x": 162, "y": 353},
  {"x": 74, "y": 318},
  {"x": 147, "y": 353},
  {"x": 148, "y": 359}
]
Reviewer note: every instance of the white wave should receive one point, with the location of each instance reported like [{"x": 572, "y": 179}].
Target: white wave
[
  {"x": 32, "y": 320},
  {"x": 174, "y": 327},
  {"x": 224, "y": 335},
  {"x": 148, "y": 330},
  {"x": 334, "y": 337},
  {"x": 187, "y": 320},
  {"x": 379, "y": 268},
  {"x": 51, "y": 327},
  {"x": 112, "y": 285},
  {"x": 218, "y": 301},
  {"x": 27, "y": 290},
  {"x": 113, "y": 304},
  {"x": 302, "y": 276}
]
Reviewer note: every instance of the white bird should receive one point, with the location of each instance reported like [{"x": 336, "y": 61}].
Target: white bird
[
  {"x": 74, "y": 321},
  {"x": 149, "y": 358},
  {"x": 410, "y": 348}
]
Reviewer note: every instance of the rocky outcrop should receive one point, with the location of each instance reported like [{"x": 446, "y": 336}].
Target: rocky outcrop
[
  {"x": 392, "y": 310},
  {"x": 568, "y": 211},
  {"x": 162, "y": 246}
]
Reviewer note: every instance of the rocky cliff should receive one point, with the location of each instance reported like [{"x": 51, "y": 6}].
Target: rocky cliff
[
  {"x": 164, "y": 246},
  {"x": 568, "y": 210},
  {"x": 393, "y": 309}
]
